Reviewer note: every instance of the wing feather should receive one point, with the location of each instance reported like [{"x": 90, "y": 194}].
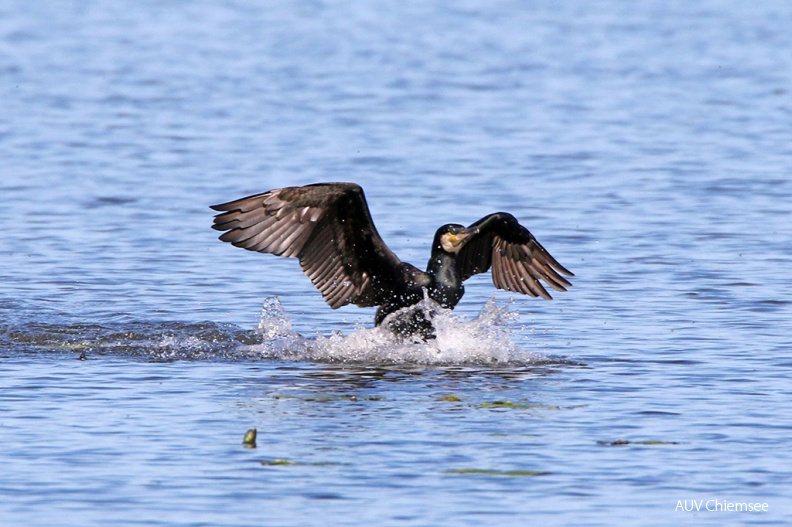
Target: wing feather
[{"x": 328, "y": 227}]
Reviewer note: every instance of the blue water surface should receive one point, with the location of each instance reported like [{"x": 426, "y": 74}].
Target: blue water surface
[{"x": 647, "y": 145}]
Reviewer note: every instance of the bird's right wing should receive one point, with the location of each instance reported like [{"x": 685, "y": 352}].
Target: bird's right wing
[{"x": 328, "y": 227}]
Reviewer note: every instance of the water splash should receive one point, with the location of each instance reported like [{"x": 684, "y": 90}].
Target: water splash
[
  {"x": 485, "y": 340},
  {"x": 274, "y": 322}
]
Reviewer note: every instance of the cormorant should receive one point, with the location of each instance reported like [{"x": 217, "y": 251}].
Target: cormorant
[{"x": 329, "y": 228}]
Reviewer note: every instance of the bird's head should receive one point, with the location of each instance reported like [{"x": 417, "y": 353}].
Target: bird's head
[{"x": 452, "y": 237}]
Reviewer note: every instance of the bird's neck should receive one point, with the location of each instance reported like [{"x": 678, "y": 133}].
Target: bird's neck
[{"x": 446, "y": 288}]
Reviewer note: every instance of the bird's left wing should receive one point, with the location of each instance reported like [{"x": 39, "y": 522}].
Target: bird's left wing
[
  {"x": 328, "y": 227},
  {"x": 517, "y": 259}
]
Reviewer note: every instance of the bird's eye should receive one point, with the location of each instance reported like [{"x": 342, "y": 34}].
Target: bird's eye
[{"x": 452, "y": 230}]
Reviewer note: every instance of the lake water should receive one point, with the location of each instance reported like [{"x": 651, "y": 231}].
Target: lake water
[{"x": 648, "y": 146}]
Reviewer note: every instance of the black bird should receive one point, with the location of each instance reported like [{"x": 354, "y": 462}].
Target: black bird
[{"x": 329, "y": 228}]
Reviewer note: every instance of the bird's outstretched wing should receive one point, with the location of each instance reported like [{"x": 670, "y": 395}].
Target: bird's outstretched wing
[
  {"x": 328, "y": 227},
  {"x": 517, "y": 259}
]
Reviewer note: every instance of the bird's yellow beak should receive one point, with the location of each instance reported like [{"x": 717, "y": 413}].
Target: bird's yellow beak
[{"x": 458, "y": 239}]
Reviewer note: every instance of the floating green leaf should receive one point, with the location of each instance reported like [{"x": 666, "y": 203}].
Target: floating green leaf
[
  {"x": 623, "y": 442},
  {"x": 331, "y": 398},
  {"x": 366, "y": 398},
  {"x": 521, "y": 406},
  {"x": 450, "y": 399},
  {"x": 250, "y": 438},
  {"x": 288, "y": 462},
  {"x": 72, "y": 346},
  {"x": 276, "y": 462},
  {"x": 490, "y": 472}
]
